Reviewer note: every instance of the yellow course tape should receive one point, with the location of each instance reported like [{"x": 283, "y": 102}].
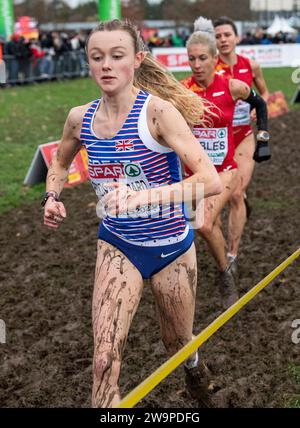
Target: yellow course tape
[{"x": 165, "y": 369}]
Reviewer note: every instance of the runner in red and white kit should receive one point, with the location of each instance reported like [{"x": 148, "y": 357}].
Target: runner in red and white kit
[
  {"x": 217, "y": 140},
  {"x": 235, "y": 66}
]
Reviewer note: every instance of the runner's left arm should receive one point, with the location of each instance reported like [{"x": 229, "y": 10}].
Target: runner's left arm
[
  {"x": 240, "y": 90},
  {"x": 259, "y": 80}
]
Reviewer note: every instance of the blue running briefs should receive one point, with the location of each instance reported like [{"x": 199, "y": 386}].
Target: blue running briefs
[{"x": 149, "y": 260}]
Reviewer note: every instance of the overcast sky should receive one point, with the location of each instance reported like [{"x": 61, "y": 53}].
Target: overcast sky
[{"x": 73, "y": 3}]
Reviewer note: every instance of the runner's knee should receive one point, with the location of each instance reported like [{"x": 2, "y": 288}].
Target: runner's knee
[
  {"x": 206, "y": 229},
  {"x": 237, "y": 197},
  {"x": 105, "y": 366}
]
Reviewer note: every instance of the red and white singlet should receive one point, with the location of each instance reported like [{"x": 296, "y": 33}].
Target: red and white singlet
[
  {"x": 242, "y": 71},
  {"x": 217, "y": 138}
]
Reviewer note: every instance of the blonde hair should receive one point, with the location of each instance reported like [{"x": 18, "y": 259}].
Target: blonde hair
[
  {"x": 154, "y": 78},
  {"x": 204, "y": 34}
]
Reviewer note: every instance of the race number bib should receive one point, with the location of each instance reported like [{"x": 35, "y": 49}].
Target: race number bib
[
  {"x": 241, "y": 115},
  {"x": 130, "y": 174},
  {"x": 214, "y": 141}
]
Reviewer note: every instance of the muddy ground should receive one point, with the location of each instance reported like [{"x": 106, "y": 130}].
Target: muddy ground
[{"x": 46, "y": 288}]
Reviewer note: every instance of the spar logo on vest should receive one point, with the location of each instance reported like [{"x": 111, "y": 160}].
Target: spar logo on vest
[
  {"x": 132, "y": 170},
  {"x": 214, "y": 141},
  {"x": 115, "y": 170},
  {"x": 210, "y": 134},
  {"x": 106, "y": 171},
  {"x": 130, "y": 173}
]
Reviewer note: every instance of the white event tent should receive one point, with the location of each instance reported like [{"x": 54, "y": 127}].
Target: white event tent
[{"x": 280, "y": 24}]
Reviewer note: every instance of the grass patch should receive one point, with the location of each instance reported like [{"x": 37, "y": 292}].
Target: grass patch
[
  {"x": 280, "y": 79},
  {"x": 35, "y": 114},
  {"x": 273, "y": 203},
  {"x": 295, "y": 373},
  {"x": 294, "y": 403}
]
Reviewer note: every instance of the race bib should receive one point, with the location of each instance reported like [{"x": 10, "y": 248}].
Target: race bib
[
  {"x": 130, "y": 174},
  {"x": 214, "y": 141},
  {"x": 241, "y": 115}
]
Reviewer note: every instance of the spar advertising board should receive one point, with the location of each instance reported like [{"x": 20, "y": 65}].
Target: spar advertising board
[
  {"x": 285, "y": 55},
  {"x": 78, "y": 172},
  {"x": 27, "y": 27},
  {"x": 176, "y": 59}
]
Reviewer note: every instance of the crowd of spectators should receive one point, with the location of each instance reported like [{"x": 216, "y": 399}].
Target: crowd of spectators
[
  {"x": 52, "y": 56},
  {"x": 57, "y": 55},
  {"x": 260, "y": 37},
  {"x": 177, "y": 39}
]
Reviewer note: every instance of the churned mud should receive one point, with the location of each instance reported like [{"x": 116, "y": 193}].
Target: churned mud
[{"x": 46, "y": 296}]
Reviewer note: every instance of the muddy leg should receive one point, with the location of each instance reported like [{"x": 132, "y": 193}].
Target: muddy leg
[{"x": 117, "y": 292}]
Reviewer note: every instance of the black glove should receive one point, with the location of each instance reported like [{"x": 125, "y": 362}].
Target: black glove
[{"x": 262, "y": 151}]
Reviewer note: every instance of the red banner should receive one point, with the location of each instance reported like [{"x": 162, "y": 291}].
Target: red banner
[
  {"x": 27, "y": 27},
  {"x": 79, "y": 168},
  {"x": 277, "y": 105},
  {"x": 173, "y": 60}
]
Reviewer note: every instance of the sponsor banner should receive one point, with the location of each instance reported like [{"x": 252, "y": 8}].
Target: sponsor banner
[
  {"x": 6, "y": 18},
  {"x": 27, "y": 28},
  {"x": 78, "y": 169},
  {"x": 38, "y": 169},
  {"x": 285, "y": 55},
  {"x": 266, "y": 56},
  {"x": 175, "y": 59},
  {"x": 277, "y": 105}
]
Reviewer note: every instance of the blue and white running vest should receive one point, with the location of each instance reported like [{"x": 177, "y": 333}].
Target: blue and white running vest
[{"x": 134, "y": 154}]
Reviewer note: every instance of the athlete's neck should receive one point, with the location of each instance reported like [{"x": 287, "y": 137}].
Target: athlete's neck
[
  {"x": 230, "y": 59},
  {"x": 205, "y": 83},
  {"x": 113, "y": 105}
]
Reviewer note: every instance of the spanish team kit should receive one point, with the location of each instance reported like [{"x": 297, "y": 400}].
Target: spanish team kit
[
  {"x": 217, "y": 137},
  {"x": 151, "y": 236},
  {"x": 242, "y": 71}
]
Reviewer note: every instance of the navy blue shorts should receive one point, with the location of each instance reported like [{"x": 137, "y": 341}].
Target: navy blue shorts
[{"x": 148, "y": 260}]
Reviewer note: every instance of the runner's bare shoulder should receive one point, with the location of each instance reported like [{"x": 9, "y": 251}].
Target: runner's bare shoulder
[
  {"x": 157, "y": 106},
  {"x": 75, "y": 117}
]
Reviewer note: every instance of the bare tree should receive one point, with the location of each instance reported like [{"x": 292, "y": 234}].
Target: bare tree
[
  {"x": 44, "y": 10},
  {"x": 134, "y": 10},
  {"x": 177, "y": 10},
  {"x": 237, "y": 10},
  {"x": 187, "y": 10}
]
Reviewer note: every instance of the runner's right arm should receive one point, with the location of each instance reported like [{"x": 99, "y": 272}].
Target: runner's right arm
[{"x": 54, "y": 210}]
